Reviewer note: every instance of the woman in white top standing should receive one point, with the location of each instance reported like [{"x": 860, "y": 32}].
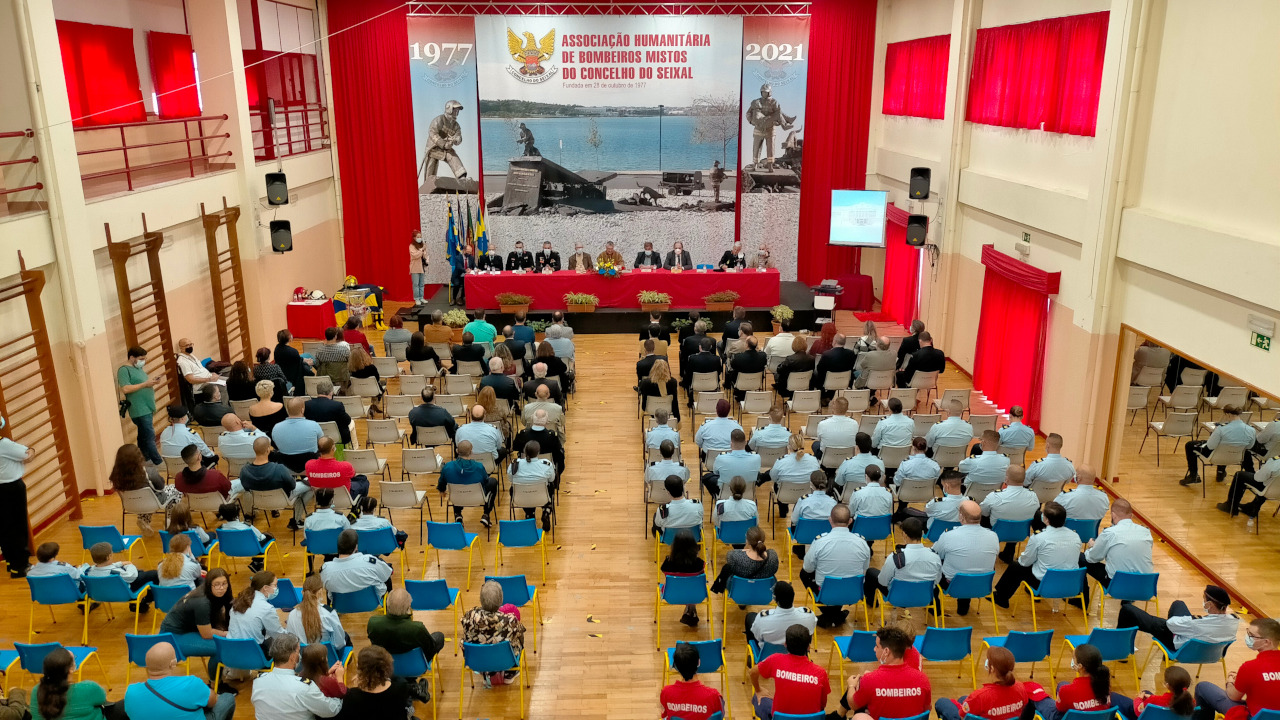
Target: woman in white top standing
[
  {"x": 312, "y": 622},
  {"x": 418, "y": 262},
  {"x": 253, "y": 616},
  {"x": 178, "y": 567},
  {"x": 796, "y": 466}
]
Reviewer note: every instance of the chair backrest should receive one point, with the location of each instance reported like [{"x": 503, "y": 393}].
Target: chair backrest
[
  {"x": 53, "y": 590},
  {"x": 906, "y": 396},
  {"x": 90, "y": 535},
  {"x": 276, "y": 499},
  {"x": 1185, "y": 397},
  {"x": 458, "y": 384},
  {"x": 1135, "y": 587},
  {"x": 914, "y": 490},
  {"x": 749, "y": 382},
  {"x": 862, "y": 645},
  {"x": 811, "y": 424},
  {"x": 873, "y": 527},
  {"x": 1139, "y": 396},
  {"x": 880, "y": 379},
  {"x": 1179, "y": 424},
  {"x": 413, "y": 385},
  {"x": 239, "y": 542},
  {"x": 399, "y": 495},
  {"x": 1199, "y": 652},
  {"x": 398, "y": 406},
  {"x": 397, "y": 351},
  {"x": 1029, "y": 646},
  {"x": 1105, "y": 714},
  {"x": 1237, "y": 396},
  {"x": 805, "y": 401},
  {"x": 837, "y": 380},
  {"x": 1016, "y": 455},
  {"x": 138, "y": 645},
  {"x": 471, "y": 368},
  {"x": 530, "y": 495},
  {"x": 236, "y": 465},
  {"x": 140, "y": 501},
  {"x": 241, "y": 407},
  {"x": 750, "y": 591},
  {"x": 488, "y": 658},
  {"x": 807, "y": 529},
  {"x": 937, "y": 527},
  {"x": 704, "y": 381},
  {"x": 364, "y": 462},
  {"x": 382, "y": 431},
  {"x": 381, "y": 541},
  {"x": 1011, "y": 531},
  {"x": 807, "y": 716},
  {"x": 411, "y": 664},
  {"x": 982, "y": 423},
  {"x": 166, "y": 597},
  {"x": 859, "y": 398},
  {"x": 430, "y": 594},
  {"x": 683, "y": 589},
  {"x": 867, "y": 423},
  {"x": 310, "y": 385},
  {"x": 107, "y": 588},
  {"x": 515, "y": 588},
  {"x": 471, "y": 495},
  {"x": 734, "y": 532},
  {"x": 1086, "y": 529},
  {"x": 799, "y": 380},
  {"x": 417, "y": 461},
  {"x": 31, "y": 656},
  {"x": 1152, "y": 711},
  {"x": 1227, "y": 454},
  {"x": 365, "y": 387},
  {"x": 946, "y": 643},
  {"x": 971, "y": 585},
  {"x": 756, "y": 402},
  {"x": 204, "y": 502},
  {"x": 923, "y": 422},
  {"x": 322, "y": 542},
  {"x": 1046, "y": 490},
  {"x": 833, "y": 456},
  {"x": 705, "y": 401},
  {"x": 310, "y": 346},
  {"x": 959, "y": 394},
  {"x": 669, "y": 533},
  {"x": 241, "y": 654},
  {"x": 287, "y": 596},
  {"x": 655, "y": 491},
  {"x": 710, "y": 652},
  {"x": 353, "y": 404},
  {"x": 910, "y": 593},
  {"x": 387, "y": 366},
  {"x": 949, "y": 456},
  {"x": 359, "y": 601},
  {"x": 841, "y": 591},
  {"x": 1061, "y": 584},
  {"x": 789, "y": 491},
  {"x": 518, "y": 533},
  {"x": 1150, "y": 376},
  {"x": 433, "y": 436},
  {"x": 924, "y": 380},
  {"x": 1114, "y": 643},
  {"x": 893, "y": 455},
  {"x": 1191, "y": 376},
  {"x": 769, "y": 456},
  {"x": 446, "y": 536}
]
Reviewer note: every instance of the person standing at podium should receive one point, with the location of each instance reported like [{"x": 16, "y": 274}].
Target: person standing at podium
[
  {"x": 548, "y": 260},
  {"x": 519, "y": 259}
]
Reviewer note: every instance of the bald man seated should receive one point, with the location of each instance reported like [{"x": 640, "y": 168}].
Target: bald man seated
[{"x": 167, "y": 694}]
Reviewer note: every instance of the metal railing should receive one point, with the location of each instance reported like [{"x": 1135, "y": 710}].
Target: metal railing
[
  {"x": 25, "y": 134},
  {"x": 129, "y": 169},
  {"x": 301, "y": 133}
]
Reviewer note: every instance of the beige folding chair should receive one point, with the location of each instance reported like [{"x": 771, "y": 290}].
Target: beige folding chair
[
  {"x": 342, "y": 499},
  {"x": 353, "y": 404},
  {"x": 916, "y": 490},
  {"x": 172, "y": 465},
  {"x": 859, "y": 398},
  {"x": 142, "y": 501},
  {"x": 433, "y": 437},
  {"x": 895, "y": 342},
  {"x": 944, "y": 402},
  {"x": 837, "y": 380},
  {"x": 267, "y": 501},
  {"x": 769, "y": 456},
  {"x": 1150, "y": 377},
  {"x": 867, "y": 423},
  {"x": 1176, "y": 425},
  {"x": 310, "y": 384},
  {"x": 982, "y": 423},
  {"x": 654, "y": 454},
  {"x": 805, "y": 402},
  {"x": 978, "y": 492},
  {"x": 235, "y": 465},
  {"x": 924, "y": 422},
  {"x": 452, "y": 403},
  {"x": 397, "y": 351},
  {"x": 384, "y": 432},
  {"x": 367, "y": 463},
  {"x": 1222, "y": 456},
  {"x": 655, "y": 493},
  {"x": 419, "y": 461},
  {"x": 708, "y": 459},
  {"x": 1236, "y": 396},
  {"x": 534, "y": 495},
  {"x": 425, "y": 368},
  {"x": 832, "y": 457},
  {"x": 705, "y": 382},
  {"x": 403, "y": 496},
  {"x": 756, "y": 402},
  {"x": 1017, "y": 455},
  {"x": 906, "y": 396},
  {"x": 1139, "y": 400},
  {"x": 788, "y": 492},
  {"x": 762, "y": 421},
  {"x": 927, "y": 381},
  {"x": 893, "y": 455},
  {"x": 949, "y": 456},
  {"x": 203, "y": 503},
  {"x": 413, "y": 385},
  {"x": 444, "y": 351},
  {"x": 749, "y": 382},
  {"x": 209, "y": 435},
  {"x": 470, "y": 367},
  {"x": 1182, "y": 399},
  {"x": 460, "y": 385},
  {"x": 1046, "y": 490},
  {"x": 387, "y": 366},
  {"x": 331, "y": 431},
  {"x": 811, "y": 426},
  {"x": 241, "y": 409},
  {"x": 398, "y": 406},
  {"x": 705, "y": 402},
  {"x": 310, "y": 347},
  {"x": 880, "y": 380},
  {"x": 800, "y": 381},
  {"x": 1193, "y": 376},
  {"x": 652, "y": 403}
]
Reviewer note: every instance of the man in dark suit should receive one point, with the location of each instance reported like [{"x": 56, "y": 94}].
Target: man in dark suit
[
  {"x": 926, "y": 359},
  {"x": 548, "y": 259},
  {"x": 211, "y": 406},
  {"x": 504, "y": 386},
  {"x": 648, "y": 257},
  {"x": 490, "y": 261},
  {"x": 655, "y": 322},
  {"x": 911, "y": 343},
  {"x": 731, "y": 328},
  {"x": 516, "y": 347},
  {"x": 687, "y": 330},
  {"x": 323, "y": 408},
  {"x": 838, "y": 359},
  {"x": 428, "y": 415},
  {"x": 751, "y": 360},
  {"x": 703, "y": 361},
  {"x": 693, "y": 343},
  {"x": 519, "y": 259},
  {"x": 678, "y": 256},
  {"x": 548, "y": 442},
  {"x": 290, "y": 362},
  {"x": 645, "y": 364},
  {"x": 734, "y": 258},
  {"x": 469, "y": 351}
]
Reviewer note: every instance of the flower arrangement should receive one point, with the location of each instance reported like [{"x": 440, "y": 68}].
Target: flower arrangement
[
  {"x": 455, "y": 318},
  {"x": 607, "y": 268},
  {"x": 577, "y": 298},
  {"x": 782, "y": 313},
  {"x": 723, "y": 296},
  {"x": 539, "y": 326},
  {"x": 510, "y": 298},
  {"x": 653, "y": 297}
]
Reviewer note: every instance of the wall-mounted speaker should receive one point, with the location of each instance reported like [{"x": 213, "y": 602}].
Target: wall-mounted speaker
[
  {"x": 917, "y": 229},
  {"x": 281, "y": 236},
  {"x": 277, "y": 189},
  {"x": 919, "y": 188}
]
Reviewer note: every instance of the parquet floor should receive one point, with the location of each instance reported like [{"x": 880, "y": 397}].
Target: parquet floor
[{"x": 599, "y": 567}]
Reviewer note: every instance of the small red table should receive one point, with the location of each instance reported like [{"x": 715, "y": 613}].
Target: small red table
[
  {"x": 308, "y": 319},
  {"x": 859, "y": 292}
]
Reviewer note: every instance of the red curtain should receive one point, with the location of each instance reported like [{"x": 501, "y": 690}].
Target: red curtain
[
  {"x": 373, "y": 121},
  {"x": 838, "y": 115},
  {"x": 901, "y": 294},
  {"x": 1008, "y": 365},
  {"x": 101, "y": 71},
  {"x": 1043, "y": 75},
  {"x": 173, "y": 72},
  {"x": 915, "y": 77}
]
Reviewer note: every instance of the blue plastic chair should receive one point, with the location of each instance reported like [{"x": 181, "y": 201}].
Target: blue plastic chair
[
  {"x": 242, "y": 654},
  {"x": 858, "y": 648},
  {"x": 757, "y": 651},
  {"x": 289, "y": 595},
  {"x": 52, "y": 590},
  {"x": 906, "y": 594},
  {"x": 198, "y": 548},
  {"x": 497, "y": 657},
  {"x": 138, "y": 645},
  {"x": 91, "y": 535},
  {"x": 875, "y": 527},
  {"x": 1012, "y": 531},
  {"x": 1086, "y": 529},
  {"x": 971, "y": 586},
  {"x": 413, "y": 665},
  {"x": 1027, "y": 647},
  {"x": 31, "y": 658},
  {"x": 943, "y": 645},
  {"x": 836, "y": 591},
  {"x": 937, "y": 527},
  {"x": 112, "y": 589},
  {"x": 434, "y": 595},
  {"x": 517, "y": 591},
  {"x": 242, "y": 543},
  {"x": 1159, "y": 712},
  {"x": 804, "y": 532},
  {"x": 744, "y": 591},
  {"x": 320, "y": 542},
  {"x": 1134, "y": 587},
  {"x": 1192, "y": 652},
  {"x": 1106, "y": 714},
  {"x": 8, "y": 659},
  {"x": 343, "y": 657},
  {"x": 668, "y": 536},
  {"x": 522, "y": 534},
  {"x": 380, "y": 542},
  {"x": 731, "y": 532},
  {"x": 681, "y": 590},
  {"x": 364, "y": 600},
  {"x": 1057, "y": 585},
  {"x": 451, "y": 536},
  {"x": 710, "y": 659},
  {"x": 1113, "y": 644}
]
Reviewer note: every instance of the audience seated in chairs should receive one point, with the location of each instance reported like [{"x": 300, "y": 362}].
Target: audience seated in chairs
[
  {"x": 541, "y": 431},
  {"x": 800, "y": 686},
  {"x": 704, "y": 360},
  {"x": 367, "y": 518},
  {"x": 165, "y": 688},
  {"x": 265, "y": 413},
  {"x": 556, "y": 366},
  {"x": 496, "y": 412},
  {"x": 397, "y": 632},
  {"x": 648, "y": 356},
  {"x": 197, "y": 478},
  {"x": 681, "y": 512},
  {"x": 313, "y": 620},
  {"x": 323, "y": 408},
  {"x": 327, "y": 471},
  {"x": 201, "y": 614},
  {"x": 105, "y": 565},
  {"x": 178, "y": 436},
  {"x": 485, "y": 439},
  {"x": 659, "y": 384},
  {"x": 926, "y": 359},
  {"x": 131, "y": 472},
  {"x": 280, "y": 693},
  {"x": 913, "y": 562},
  {"x": 1001, "y": 697},
  {"x": 420, "y": 351},
  {"x": 970, "y": 549},
  {"x": 1251, "y": 687},
  {"x": 428, "y": 415},
  {"x": 1057, "y": 547},
  {"x": 835, "y": 359},
  {"x": 469, "y": 351},
  {"x": 540, "y": 379},
  {"x": 735, "y": 463},
  {"x": 56, "y": 696},
  {"x": 798, "y": 361},
  {"x": 253, "y": 617},
  {"x": 543, "y": 400},
  {"x": 661, "y": 430},
  {"x": 462, "y": 470},
  {"x": 264, "y": 475},
  {"x": 1177, "y": 697},
  {"x": 297, "y": 438},
  {"x": 503, "y": 386},
  {"x": 869, "y": 361},
  {"x": 313, "y": 665},
  {"x": 751, "y": 359},
  {"x": 492, "y": 622},
  {"x": 1091, "y": 689},
  {"x": 291, "y": 363},
  {"x": 353, "y": 570},
  {"x": 178, "y": 567},
  {"x": 895, "y": 689},
  {"x": 753, "y": 561},
  {"x": 237, "y": 437},
  {"x": 532, "y": 469},
  {"x": 796, "y": 466},
  {"x": 687, "y": 698},
  {"x": 211, "y": 407},
  {"x": 838, "y": 553},
  {"x": 737, "y": 506},
  {"x": 229, "y": 514},
  {"x": 683, "y": 560}
]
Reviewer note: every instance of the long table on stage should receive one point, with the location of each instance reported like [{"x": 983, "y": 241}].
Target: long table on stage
[{"x": 756, "y": 288}]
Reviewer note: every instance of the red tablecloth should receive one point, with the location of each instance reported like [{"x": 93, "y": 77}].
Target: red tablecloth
[
  {"x": 859, "y": 292},
  {"x": 309, "y": 319},
  {"x": 757, "y": 289}
]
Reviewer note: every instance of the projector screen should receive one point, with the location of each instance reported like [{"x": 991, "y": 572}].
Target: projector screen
[{"x": 858, "y": 217}]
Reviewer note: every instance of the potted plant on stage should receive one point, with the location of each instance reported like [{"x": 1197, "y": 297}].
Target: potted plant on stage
[
  {"x": 722, "y": 301},
  {"x": 511, "y": 303},
  {"x": 580, "y": 302},
  {"x": 456, "y": 319},
  {"x": 781, "y": 313},
  {"x": 539, "y": 330},
  {"x": 654, "y": 301}
]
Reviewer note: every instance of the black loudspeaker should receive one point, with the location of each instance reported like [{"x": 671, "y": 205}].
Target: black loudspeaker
[
  {"x": 917, "y": 228},
  {"x": 282, "y": 236},
  {"x": 278, "y": 189},
  {"x": 919, "y": 189}
]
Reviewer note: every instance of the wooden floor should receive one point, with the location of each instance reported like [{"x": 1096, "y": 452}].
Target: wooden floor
[{"x": 600, "y": 567}]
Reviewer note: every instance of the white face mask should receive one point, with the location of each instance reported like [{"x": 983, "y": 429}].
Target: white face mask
[
  {"x": 546, "y": 251},
  {"x": 1248, "y": 641},
  {"x": 1, "y": 422},
  {"x": 1073, "y": 664},
  {"x": 140, "y": 364}
]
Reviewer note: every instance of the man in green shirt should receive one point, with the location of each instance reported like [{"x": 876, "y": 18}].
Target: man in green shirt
[
  {"x": 482, "y": 330},
  {"x": 139, "y": 391}
]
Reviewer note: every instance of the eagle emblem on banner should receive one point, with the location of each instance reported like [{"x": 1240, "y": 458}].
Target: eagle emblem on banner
[{"x": 531, "y": 53}]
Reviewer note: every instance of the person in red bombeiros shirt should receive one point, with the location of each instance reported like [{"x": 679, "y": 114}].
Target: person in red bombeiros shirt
[
  {"x": 1091, "y": 690},
  {"x": 1001, "y": 698},
  {"x": 329, "y": 472},
  {"x": 800, "y": 686},
  {"x": 689, "y": 699},
  {"x": 1255, "y": 687},
  {"x": 892, "y": 690},
  {"x": 1178, "y": 698}
]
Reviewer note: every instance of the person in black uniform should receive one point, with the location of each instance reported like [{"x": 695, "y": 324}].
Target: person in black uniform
[
  {"x": 838, "y": 359},
  {"x": 739, "y": 316},
  {"x": 548, "y": 259},
  {"x": 519, "y": 259},
  {"x": 490, "y": 261},
  {"x": 469, "y": 351},
  {"x": 703, "y": 361},
  {"x": 926, "y": 359},
  {"x": 734, "y": 258},
  {"x": 751, "y": 360},
  {"x": 911, "y": 343},
  {"x": 655, "y": 323},
  {"x": 648, "y": 257}
]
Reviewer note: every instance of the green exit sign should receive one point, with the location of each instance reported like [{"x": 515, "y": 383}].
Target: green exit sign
[
  {"x": 1026, "y": 237},
  {"x": 1262, "y": 342}
]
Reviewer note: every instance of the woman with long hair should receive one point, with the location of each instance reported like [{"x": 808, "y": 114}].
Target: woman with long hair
[
  {"x": 494, "y": 410},
  {"x": 361, "y": 366},
  {"x": 798, "y": 361},
  {"x": 1177, "y": 696},
  {"x": 313, "y": 665},
  {"x": 252, "y": 614},
  {"x": 240, "y": 382},
  {"x": 755, "y": 560},
  {"x": 1002, "y": 697},
  {"x": 180, "y": 521},
  {"x": 178, "y": 567},
  {"x": 377, "y": 691},
  {"x": 57, "y": 698},
  {"x": 201, "y": 614},
  {"x": 869, "y": 339},
  {"x": 796, "y": 466},
  {"x": 130, "y": 471},
  {"x": 684, "y": 560},
  {"x": 660, "y": 384},
  {"x": 265, "y": 413},
  {"x": 1091, "y": 690},
  {"x": 503, "y": 352},
  {"x": 267, "y": 370},
  {"x": 825, "y": 341},
  {"x": 312, "y": 621},
  {"x": 418, "y": 261}
]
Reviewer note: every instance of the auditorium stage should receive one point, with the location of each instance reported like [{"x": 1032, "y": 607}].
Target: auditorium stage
[{"x": 627, "y": 321}]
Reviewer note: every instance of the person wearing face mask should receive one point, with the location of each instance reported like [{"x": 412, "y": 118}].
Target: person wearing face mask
[
  {"x": 612, "y": 255},
  {"x": 1217, "y": 626},
  {"x": 1254, "y": 687},
  {"x": 191, "y": 368},
  {"x": 580, "y": 260},
  {"x": 519, "y": 259},
  {"x": 734, "y": 258},
  {"x": 491, "y": 261},
  {"x": 253, "y": 617},
  {"x": 548, "y": 260},
  {"x": 761, "y": 260},
  {"x": 1091, "y": 689},
  {"x": 678, "y": 256},
  {"x": 13, "y": 503},
  {"x": 648, "y": 257},
  {"x": 139, "y": 392}
]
